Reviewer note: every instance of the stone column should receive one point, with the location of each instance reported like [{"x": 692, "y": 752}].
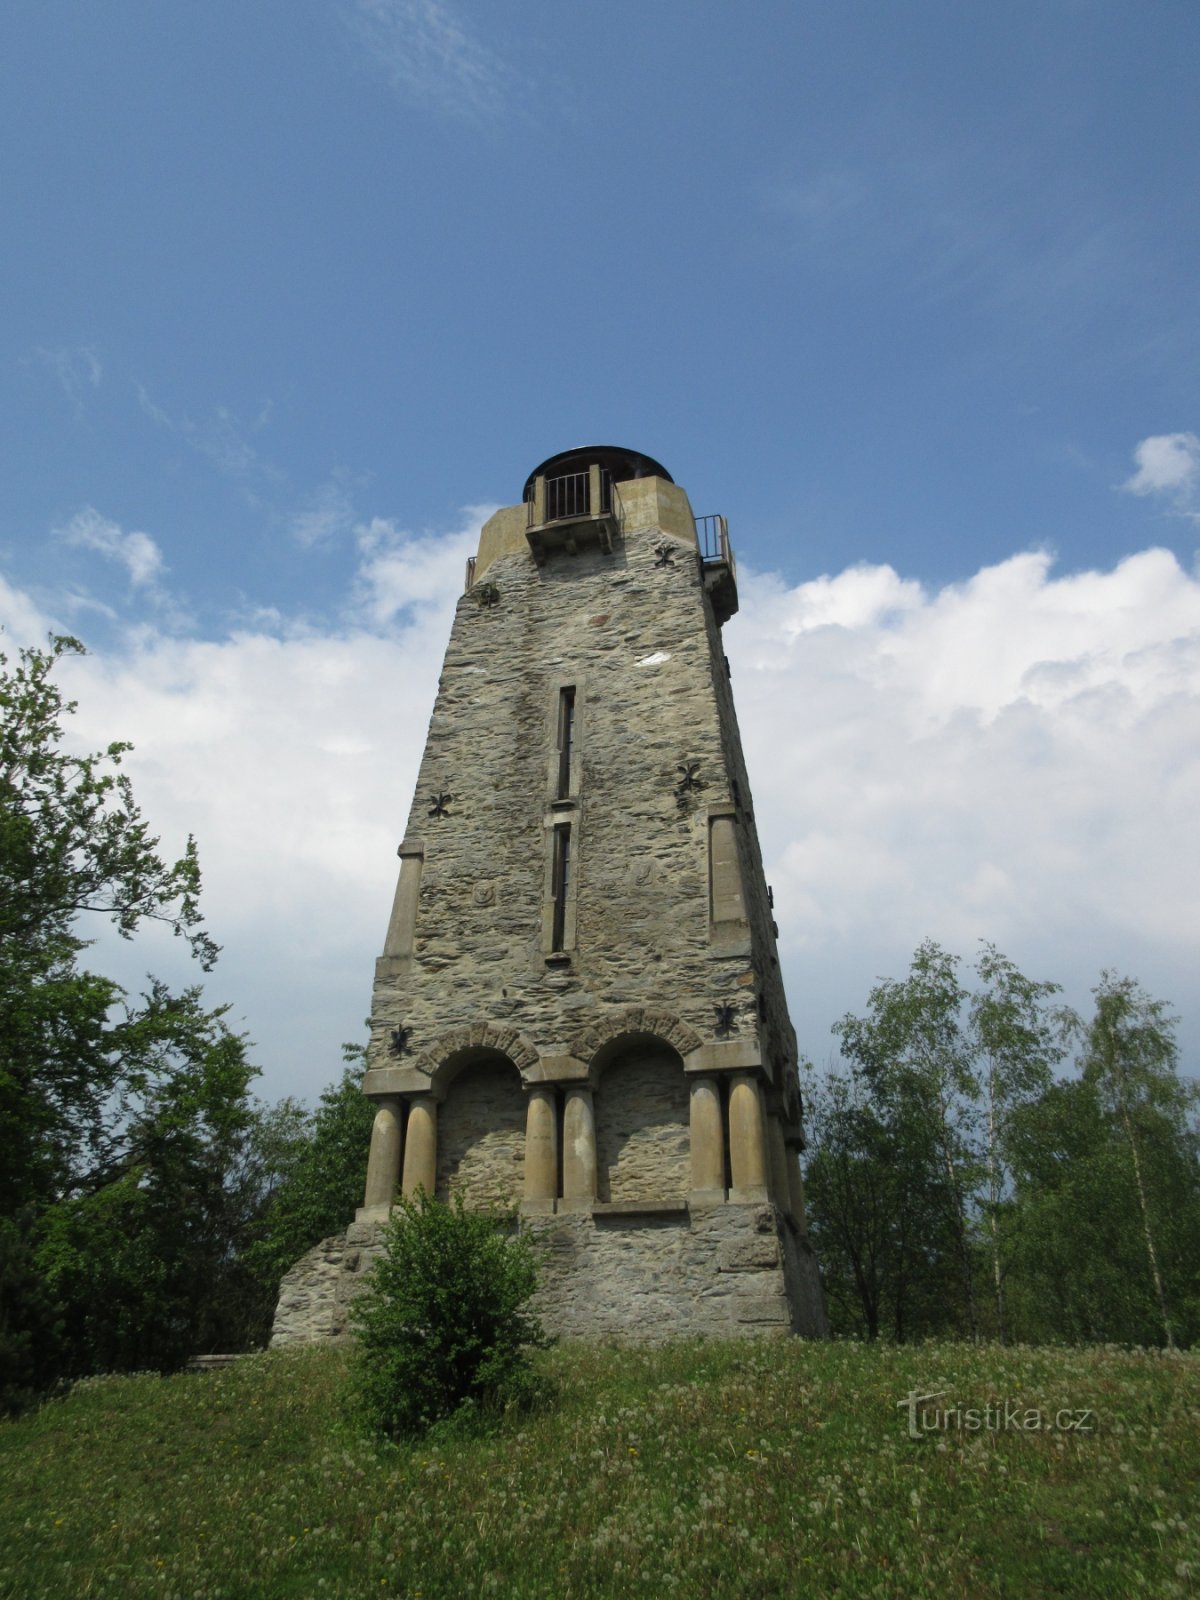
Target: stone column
[
  {"x": 383, "y": 1164},
  {"x": 420, "y": 1147},
  {"x": 796, "y": 1186},
  {"x": 747, "y": 1139},
  {"x": 706, "y": 1134},
  {"x": 579, "y": 1149},
  {"x": 541, "y": 1150},
  {"x": 781, "y": 1191}
]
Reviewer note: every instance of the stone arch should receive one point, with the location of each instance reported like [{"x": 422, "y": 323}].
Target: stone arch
[
  {"x": 450, "y": 1046},
  {"x": 587, "y": 1044},
  {"x": 641, "y": 1111},
  {"x": 481, "y": 1128}
]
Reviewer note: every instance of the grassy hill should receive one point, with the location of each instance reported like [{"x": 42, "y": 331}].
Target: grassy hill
[{"x": 695, "y": 1470}]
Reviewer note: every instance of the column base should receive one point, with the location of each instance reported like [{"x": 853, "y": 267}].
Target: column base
[
  {"x": 699, "y": 1199},
  {"x": 749, "y": 1197},
  {"x": 372, "y": 1213},
  {"x": 538, "y": 1208}
]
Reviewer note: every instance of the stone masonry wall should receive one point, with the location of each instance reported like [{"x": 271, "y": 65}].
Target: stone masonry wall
[
  {"x": 481, "y": 1138},
  {"x": 642, "y": 1145},
  {"x": 718, "y": 1273},
  {"x": 633, "y": 634}
]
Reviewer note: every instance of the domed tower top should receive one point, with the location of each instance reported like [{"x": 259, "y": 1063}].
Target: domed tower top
[
  {"x": 598, "y": 496},
  {"x": 621, "y": 465}
]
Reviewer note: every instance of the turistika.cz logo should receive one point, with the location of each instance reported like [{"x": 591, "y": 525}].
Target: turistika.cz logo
[{"x": 997, "y": 1416}]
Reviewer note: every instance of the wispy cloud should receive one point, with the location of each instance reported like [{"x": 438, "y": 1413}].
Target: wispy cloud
[
  {"x": 224, "y": 440},
  {"x": 328, "y": 512},
  {"x": 136, "y": 552},
  {"x": 77, "y": 369},
  {"x": 984, "y": 219},
  {"x": 432, "y": 56},
  {"x": 1168, "y": 466}
]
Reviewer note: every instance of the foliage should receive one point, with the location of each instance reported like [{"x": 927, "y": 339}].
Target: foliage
[
  {"x": 72, "y": 843},
  {"x": 317, "y": 1164},
  {"x": 912, "y": 1051},
  {"x": 1108, "y": 1184},
  {"x": 30, "y": 1318},
  {"x": 120, "y": 1121},
  {"x": 876, "y": 1212},
  {"x": 726, "y": 1470},
  {"x": 945, "y": 1152},
  {"x": 444, "y": 1326},
  {"x": 139, "y": 1258}
]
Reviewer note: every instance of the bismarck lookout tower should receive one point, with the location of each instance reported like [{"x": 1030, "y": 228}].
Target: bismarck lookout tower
[{"x": 578, "y": 1012}]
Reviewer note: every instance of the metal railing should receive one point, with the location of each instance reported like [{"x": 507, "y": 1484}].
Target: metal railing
[
  {"x": 571, "y": 496},
  {"x": 712, "y": 536}
]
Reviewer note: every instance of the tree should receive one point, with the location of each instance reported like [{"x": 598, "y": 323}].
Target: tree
[
  {"x": 73, "y": 844},
  {"x": 912, "y": 1169},
  {"x": 876, "y": 1212},
  {"x": 1020, "y": 1040},
  {"x": 119, "y": 1121},
  {"x": 912, "y": 1050},
  {"x": 302, "y": 1179},
  {"x": 1132, "y": 1063},
  {"x": 443, "y": 1326},
  {"x": 319, "y": 1182}
]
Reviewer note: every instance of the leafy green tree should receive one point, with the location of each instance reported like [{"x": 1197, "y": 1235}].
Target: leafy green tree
[
  {"x": 1018, "y": 1038},
  {"x": 1131, "y": 1060},
  {"x": 444, "y": 1327},
  {"x": 140, "y": 1257},
  {"x": 73, "y": 844},
  {"x": 30, "y": 1318},
  {"x": 1073, "y": 1276},
  {"x": 876, "y": 1212},
  {"x": 914, "y": 1052},
  {"x": 300, "y": 1180},
  {"x": 318, "y": 1183},
  {"x": 120, "y": 1121}
]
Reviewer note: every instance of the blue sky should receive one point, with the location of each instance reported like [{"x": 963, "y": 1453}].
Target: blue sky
[{"x": 294, "y": 293}]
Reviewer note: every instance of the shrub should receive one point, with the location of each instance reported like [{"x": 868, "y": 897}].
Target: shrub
[{"x": 443, "y": 1327}]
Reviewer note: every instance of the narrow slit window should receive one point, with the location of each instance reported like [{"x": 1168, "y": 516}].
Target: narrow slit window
[
  {"x": 562, "y": 884},
  {"x": 566, "y": 740}
]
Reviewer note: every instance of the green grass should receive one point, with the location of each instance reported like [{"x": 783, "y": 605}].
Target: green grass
[{"x": 696, "y": 1470}]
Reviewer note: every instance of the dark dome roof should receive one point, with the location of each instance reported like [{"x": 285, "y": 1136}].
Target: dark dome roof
[{"x": 623, "y": 464}]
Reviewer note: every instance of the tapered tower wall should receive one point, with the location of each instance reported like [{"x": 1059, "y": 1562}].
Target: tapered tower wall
[{"x": 581, "y": 920}]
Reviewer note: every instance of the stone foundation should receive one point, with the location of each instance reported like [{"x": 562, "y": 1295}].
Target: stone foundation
[{"x": 628, "y": 1273}]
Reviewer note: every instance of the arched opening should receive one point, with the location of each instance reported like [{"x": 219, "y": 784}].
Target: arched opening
[
  {"x": 481, "y": 1131},
  {"x": 642, "y": 1149}
]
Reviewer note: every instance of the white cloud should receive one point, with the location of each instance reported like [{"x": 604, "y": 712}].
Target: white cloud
[
  {"x": 1168, "y": 464},
  {"x": 77, "y": 369},
  {"x": 401, "y": 570},
  {"x": 1016, "y": 758},
  {"x": 136, "y": 552},
  {"x": 431, "y": 56}
]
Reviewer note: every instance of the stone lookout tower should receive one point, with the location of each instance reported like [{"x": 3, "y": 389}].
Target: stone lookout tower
[{"x": 578, "y": 1012}]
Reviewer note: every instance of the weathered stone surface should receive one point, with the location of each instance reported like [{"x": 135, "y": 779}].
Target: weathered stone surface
[
  {"x": 481, "y": 1138},
  {"x": 652, "y": 701},
  {"x": 639, "y": 1277},
  {"x": 642, "y": 1128},
  {"x": 581, "y": 907}
]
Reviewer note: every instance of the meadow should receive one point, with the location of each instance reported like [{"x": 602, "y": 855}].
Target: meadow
[{"x": 723, "y": 1470}]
